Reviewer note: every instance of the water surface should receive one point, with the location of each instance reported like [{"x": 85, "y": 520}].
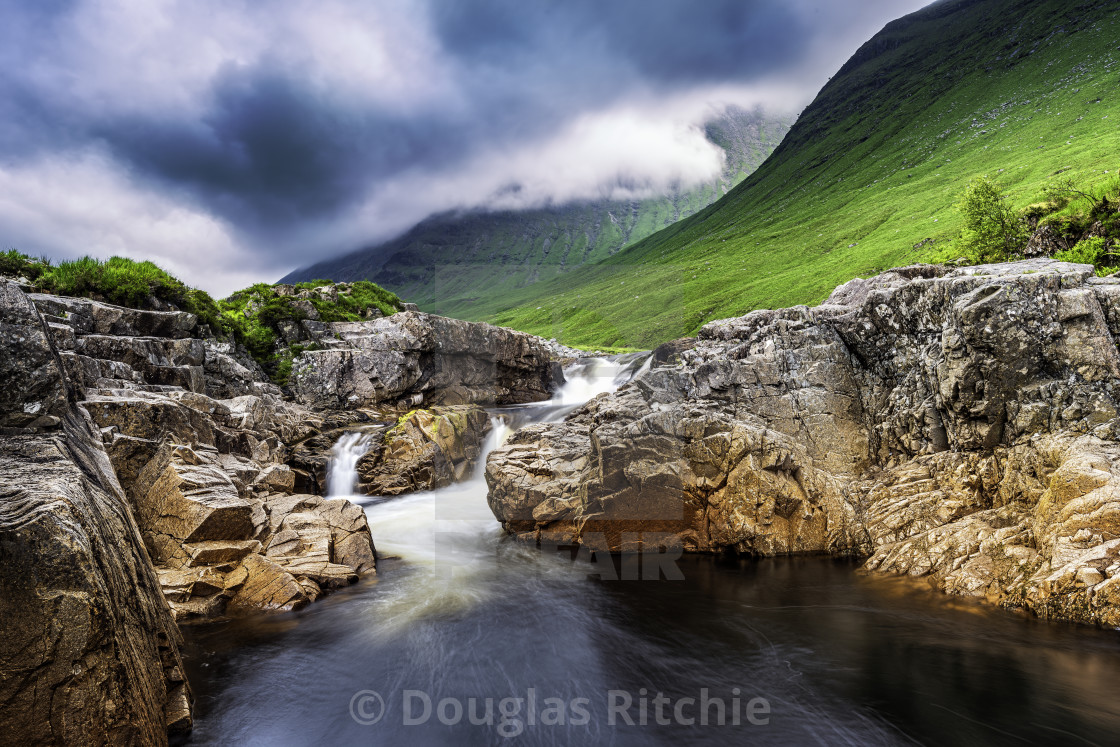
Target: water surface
[{"x": 796, "y": 651}]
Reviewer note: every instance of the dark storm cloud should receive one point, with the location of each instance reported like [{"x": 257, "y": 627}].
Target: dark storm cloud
[
  {"x": 665, "y": 42},
  {"x": 270, "y": 149},
  {"x": 278, "y": 118}
]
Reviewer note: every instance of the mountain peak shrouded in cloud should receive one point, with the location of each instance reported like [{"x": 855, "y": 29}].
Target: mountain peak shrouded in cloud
[{"x": 231, "y": 141}]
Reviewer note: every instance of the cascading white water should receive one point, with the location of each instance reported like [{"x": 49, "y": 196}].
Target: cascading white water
[
  {"x": 449, "y": 535},
  {"x": 499, "y": 432},
  {"x": 342, "y": 473},
  {"x": 586, "y": 379}
]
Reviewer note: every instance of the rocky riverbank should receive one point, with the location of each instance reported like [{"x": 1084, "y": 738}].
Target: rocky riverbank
[
  {"x": 959, "y": 425},
  {"x": 152, "y": 474}
]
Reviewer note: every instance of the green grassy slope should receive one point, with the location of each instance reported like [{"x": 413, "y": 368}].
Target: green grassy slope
[
  {"x": 1021, "y": 91},
  {"x": 466, "y": 265}
]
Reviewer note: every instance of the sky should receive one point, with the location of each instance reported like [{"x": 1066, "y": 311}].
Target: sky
[{"x": 231, "y": 141}]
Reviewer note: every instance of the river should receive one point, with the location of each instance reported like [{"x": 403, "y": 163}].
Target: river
[{"x": 465, "y": 637}]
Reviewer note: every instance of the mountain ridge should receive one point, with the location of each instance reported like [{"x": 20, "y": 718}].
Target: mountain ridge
[
  {"x": 537, "y": 244},
  {"x": 869, "y": 175}
]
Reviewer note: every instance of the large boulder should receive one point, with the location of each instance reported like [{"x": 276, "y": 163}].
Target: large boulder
[
  {"x": 959, "y": 424},
  {"x": 88, "y": 317},
  {"x": 426, "y": 449},
  {"x": 418, "y": 358}
]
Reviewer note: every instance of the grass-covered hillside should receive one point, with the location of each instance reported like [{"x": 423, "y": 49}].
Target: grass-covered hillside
[
  {"x": 466, "y": 264},
  {"x": 1026, "y": 92},
  {"x": 262, "y": 320}
]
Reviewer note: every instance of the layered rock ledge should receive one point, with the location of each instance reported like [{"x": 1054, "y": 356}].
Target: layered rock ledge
[
  {"x": 960, "y": 425},
  {"x": 413, "y": 359},
  {"x": 150, "y": 474}
]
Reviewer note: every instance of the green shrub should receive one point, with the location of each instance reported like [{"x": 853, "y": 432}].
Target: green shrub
[
  {"x": 117, "y": 280},
  {"x": 201, "y": 304},
  {"x": 1091, "y": 251},
  {"x": 18, "y": 264},
  {"x": 993, "y": 230},
  {"x": 278, "y": 309},
  {"x": 1087, "y": 252}
]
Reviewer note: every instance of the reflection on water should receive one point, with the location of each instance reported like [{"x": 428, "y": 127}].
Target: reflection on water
[
  {"x": 839, "y": 656},
  {"x": 488, "y": 629}
]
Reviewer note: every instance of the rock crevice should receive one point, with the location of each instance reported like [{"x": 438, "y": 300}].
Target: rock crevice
[{"x": 960, "y": 425}]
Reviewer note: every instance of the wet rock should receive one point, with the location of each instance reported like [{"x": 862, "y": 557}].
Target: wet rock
[{"x": 427, "y": 449}]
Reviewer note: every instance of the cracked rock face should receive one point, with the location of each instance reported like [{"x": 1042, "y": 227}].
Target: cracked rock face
[
  {"x": 90, "y": 650},
  {"x": 955, "y": 424},
  {"x": 418, "y": 358},
  {"x": 427, "y": 449}
]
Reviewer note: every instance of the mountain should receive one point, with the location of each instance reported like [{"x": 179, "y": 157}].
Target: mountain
[
  {"x": 867, "y": 178},
  {"x": 466, "y": 263}
]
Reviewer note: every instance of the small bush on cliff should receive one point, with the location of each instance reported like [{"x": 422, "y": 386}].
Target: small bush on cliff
[
  {"x": 1091, "y": 251},
  {"x": 116, "y": 280},
  {"x": 17, "y": 264},
  {"x": 1081, "y": 207},
  {"x": 993, "y": 230},
  {"x": 253, "y": 317}
]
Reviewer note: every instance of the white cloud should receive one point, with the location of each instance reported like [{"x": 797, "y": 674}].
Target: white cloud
[
  {"x": 158, "y": 60},
  {"x": 67, "y": 205}
]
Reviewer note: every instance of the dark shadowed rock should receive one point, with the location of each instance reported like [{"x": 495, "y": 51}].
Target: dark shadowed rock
[
  {"x": 34, "y": 390},
  {"x": 1045, "y": 242}
]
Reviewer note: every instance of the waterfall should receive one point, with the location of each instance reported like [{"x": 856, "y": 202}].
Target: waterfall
[
  {"x": 586, "y": 379},
  {"x": 448, "y": 537},
  {"x": 342, "y": 472},
  {"x": 499, "y": 432}
]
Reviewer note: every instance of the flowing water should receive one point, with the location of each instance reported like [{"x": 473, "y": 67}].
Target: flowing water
[{"x": 465, "y": 637}]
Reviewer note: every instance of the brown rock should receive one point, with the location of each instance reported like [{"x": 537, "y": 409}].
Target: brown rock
[
  {"x": 268, "y": 587},
  {"x": 88, "y": 640},
  {"x": 427, "y": 449}
]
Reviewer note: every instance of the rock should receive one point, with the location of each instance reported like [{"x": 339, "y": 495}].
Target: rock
[
  {"x": 229, "y": 375},
  {"x": 198, "y": 440},
  {"x": 35, "y": 391},
  {"x": 278, "y": 477},
  {"x": 351, "y": 542},
  {"x": 302, "y": 546},
  {"x": 1045, "y": 242},
  {"x": 268, "y": 587},
  {"x": 411, "y": 354},
  {"x": 87, "y": 317},
  {"x": 427, "y": 449},
  {"x": 668, "y": 354},
  {"x": 180, "y": 498},
  {"x": 90, "y": 651},
  {"x": 956, "y": 424},
  {"x": 220, "y": 551}
]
